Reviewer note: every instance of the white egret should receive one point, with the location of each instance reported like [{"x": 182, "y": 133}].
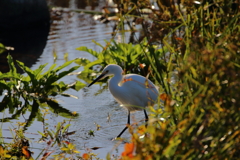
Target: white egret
[{"x": 132, "y": 91}]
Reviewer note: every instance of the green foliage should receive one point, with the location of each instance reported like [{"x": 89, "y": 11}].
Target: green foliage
[
  {"x": 133, "y": 58},
  {"x": 36, "y": 83},
  {"x": 198, "y": 69},
  {"x": 32, "y": 92},
  {"x": 2, "y": 48},
  {"x": 19, "y": 147},
  {"x": 201, "y": 107}
]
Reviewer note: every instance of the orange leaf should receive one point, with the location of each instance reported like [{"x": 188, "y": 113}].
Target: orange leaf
[
  {"x": 128, "y": 150},
  {"x": 26, "y": 152},
  {"x": 168, "y": 101},
  {"x": 142, "y": 65},
  {"x": 178, "y": 38},
  {"x": 141, "y": 129},
  {"x": 66, "y": 142},
  {"x": 163, "y": 96},
  {"x": 46, "y": 154},
  {"x": 1, "y": 150},
  {"x": 85, "y": 156},
  {"x": 166, "y": 98},
  {"x": 49, "y": 142}
]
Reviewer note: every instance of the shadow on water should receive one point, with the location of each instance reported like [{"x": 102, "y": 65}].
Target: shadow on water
[
  {"x": 17, "y": 107},
  {"x": 24, "y": 25}
]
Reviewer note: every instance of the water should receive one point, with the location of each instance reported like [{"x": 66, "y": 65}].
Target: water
[{"x": 68, "y": 31}]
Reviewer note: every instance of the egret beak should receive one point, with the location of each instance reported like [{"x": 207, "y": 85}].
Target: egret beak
[{"x": 98, "y": 78}]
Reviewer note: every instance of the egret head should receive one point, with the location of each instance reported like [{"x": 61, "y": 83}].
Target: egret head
[{"x": 109, "y": 70}]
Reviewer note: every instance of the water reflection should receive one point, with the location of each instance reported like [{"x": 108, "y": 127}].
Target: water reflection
[
  {"x": 59, "y": 3},
  {"x": 24, "y": 27},
  {"x": 28, "y": 45},
  {"x": 81, "y": 4}
]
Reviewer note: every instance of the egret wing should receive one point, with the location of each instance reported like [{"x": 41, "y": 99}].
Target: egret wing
[{"x": 142, "y": 90}]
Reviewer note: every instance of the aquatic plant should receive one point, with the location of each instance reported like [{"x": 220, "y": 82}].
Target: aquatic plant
[
  {"x": 34, "y": 91},
  {"x": 30, "y": 93},
  {"x": 133, "y": 58}
]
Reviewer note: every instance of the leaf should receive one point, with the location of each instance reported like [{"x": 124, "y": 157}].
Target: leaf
[
  {"x": 39, "y": 70},
  {"x": 89, "y": 65},
  {"x": 66, "y": 127},
  {"x": 50, "y": 134},
  {"x": 109, "y": 156},
  {"x": 2, "y": 151},
  {"x": 46, "y": 154},
  {"x": 163, "y": 96},
  {"x": 54, "y": 77},
  {"x": 58, "y": 128},
  {"x": 66, "y": 56},
  {"x": 78, "y": 85},
  {"x": 85, "y": 156},
  {"x": 64, "y": 73},
  {"x": 26, "y": 152},
  {"x": 64, "y": 65},
  {"x": 2, "y": 48},
  {"x": 128, "y": 150},
  {"x": 9, "y": 75},
  {"x": 98, "y": 44},
  {"x": 86, "y": 75},
  {"x": 64, "y": 149},
  {"x": 92, "y": 52},
  {"x": 50, "y": 69},
  {"x": 82, "y": 61},
  {"x": 42, "y": 134},
  {"x": 29, "y": 72},
  {"x": 70, "y": 133},
  {"x": 75, "y": 151},
  {"x": 71, "y": 146},
  {"x": 12, "y": 67},
  {"x": 3, "y": 85},
  {"x": 69, "y": 95}
]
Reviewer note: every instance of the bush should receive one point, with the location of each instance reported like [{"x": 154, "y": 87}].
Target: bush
[{"x": 201, "y": 107}]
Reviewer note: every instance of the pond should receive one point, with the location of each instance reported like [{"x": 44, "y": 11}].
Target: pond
[{"x": 99, "y": 113}]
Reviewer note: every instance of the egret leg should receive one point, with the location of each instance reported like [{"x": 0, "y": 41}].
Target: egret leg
[
  {"x": 146, "y": 116},
  {"x": 128, "y": 123}
]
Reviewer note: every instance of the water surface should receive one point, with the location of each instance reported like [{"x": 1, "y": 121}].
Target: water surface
[{"x": 99, "y": 113}]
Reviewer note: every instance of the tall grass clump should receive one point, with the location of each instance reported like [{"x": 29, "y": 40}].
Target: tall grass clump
[{"x": 200, "y": 85}]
